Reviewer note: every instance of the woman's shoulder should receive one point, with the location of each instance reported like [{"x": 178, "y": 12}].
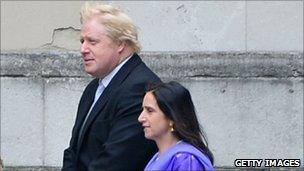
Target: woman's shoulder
[
  {"x": 188, "y": 161},
  {"x": 182, "y": 156},
  {"x": 187, "y": 157},
  {"x": 184, "y": 148}
]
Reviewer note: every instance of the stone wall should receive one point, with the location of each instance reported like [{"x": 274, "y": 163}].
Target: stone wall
[
  {"x": 249, "y": 104},
  {"x": 163, "y": 25}
]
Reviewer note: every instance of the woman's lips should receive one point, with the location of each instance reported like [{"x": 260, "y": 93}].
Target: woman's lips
[{"x": 145, "y": 127}]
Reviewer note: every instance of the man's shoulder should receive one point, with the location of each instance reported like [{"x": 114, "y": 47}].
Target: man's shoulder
[
  {"x": 141, "y": 77},
  {"x": 93, "y": 83},
  {"x": 137, "y": 81},
  {"x": 142, "y": 73}
]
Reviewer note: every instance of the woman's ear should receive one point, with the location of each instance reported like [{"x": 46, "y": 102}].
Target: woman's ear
[{"x": 171, "y": 124}]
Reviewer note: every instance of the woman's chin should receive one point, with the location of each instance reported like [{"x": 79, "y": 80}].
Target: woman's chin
[{"x": 148, "y": 137}]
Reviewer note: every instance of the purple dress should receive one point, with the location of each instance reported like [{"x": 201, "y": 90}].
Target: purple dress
[{"x": 181, "y": 156}]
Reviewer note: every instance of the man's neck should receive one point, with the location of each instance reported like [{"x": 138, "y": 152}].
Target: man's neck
[{"x": 124, "y": 55}]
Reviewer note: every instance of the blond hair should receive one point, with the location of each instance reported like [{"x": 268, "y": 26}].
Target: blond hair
[{"x": 118, "y": 25}]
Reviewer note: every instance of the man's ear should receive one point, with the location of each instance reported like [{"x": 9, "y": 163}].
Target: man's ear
[{"x": 121, "y": 46}]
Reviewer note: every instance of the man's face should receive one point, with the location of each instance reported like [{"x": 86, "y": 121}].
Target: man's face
[{"x": 100, "y": 53}]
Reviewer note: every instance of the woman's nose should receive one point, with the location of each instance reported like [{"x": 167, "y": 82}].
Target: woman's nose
[{"x": 141, "y": 117}]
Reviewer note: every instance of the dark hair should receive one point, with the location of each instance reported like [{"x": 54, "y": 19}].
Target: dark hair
[{"x": 175, "y": 102}]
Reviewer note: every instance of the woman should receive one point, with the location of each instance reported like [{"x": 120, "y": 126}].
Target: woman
[{"x": 169, "y": 118}]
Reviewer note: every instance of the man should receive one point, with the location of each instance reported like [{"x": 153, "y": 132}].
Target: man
[{"x": 106, "y": 134}]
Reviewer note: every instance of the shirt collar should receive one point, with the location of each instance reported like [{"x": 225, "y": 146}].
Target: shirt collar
[{"x": 107, "y": 79}]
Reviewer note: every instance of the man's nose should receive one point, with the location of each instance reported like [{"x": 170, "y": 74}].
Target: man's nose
[{"x": 84, "y": 49}]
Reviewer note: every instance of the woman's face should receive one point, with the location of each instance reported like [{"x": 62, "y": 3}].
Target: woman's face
[{"x": 155, "y": 123}]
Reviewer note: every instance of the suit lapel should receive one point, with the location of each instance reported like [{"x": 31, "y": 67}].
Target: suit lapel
[
  {"x": 85, "y": 105},
  {"x": 120, "y": 76}
]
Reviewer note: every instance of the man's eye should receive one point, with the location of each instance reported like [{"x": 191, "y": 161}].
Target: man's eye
[{"x": 91, "y": 40}]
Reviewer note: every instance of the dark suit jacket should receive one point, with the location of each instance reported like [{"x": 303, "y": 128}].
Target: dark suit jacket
[{"x": 112, "y": 137}]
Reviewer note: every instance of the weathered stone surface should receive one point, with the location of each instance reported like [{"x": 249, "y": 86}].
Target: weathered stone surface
[
  {"x": 164, "y": 25},
  {"x": 272, "y": 26},
  {"x": 42, "y": 64},
  {"x": 222, "y": 64},
  {"x": 178, "y": 65},
  {"x": 61, "y": 101},
  {"x": 22, "y": 121},
  {"x": 250, "y": 118}
]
